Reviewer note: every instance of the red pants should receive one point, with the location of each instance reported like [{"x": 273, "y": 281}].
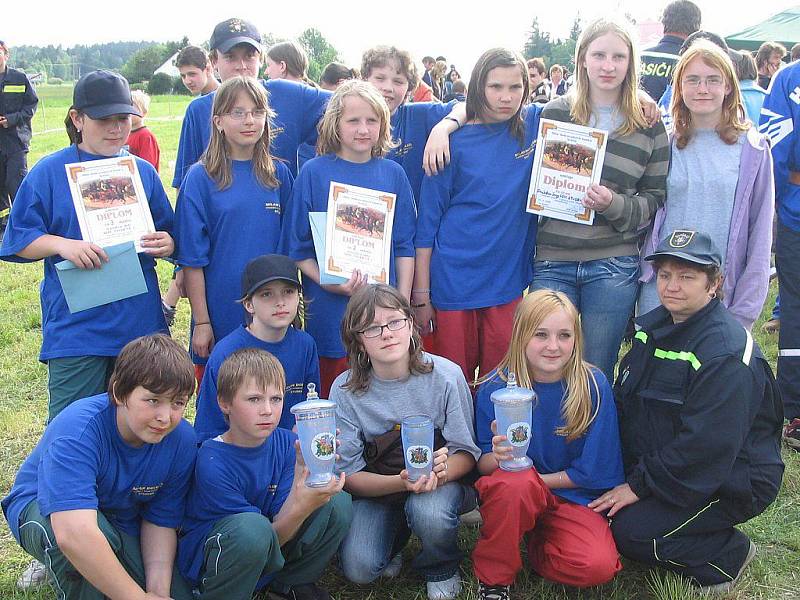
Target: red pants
[
  {"x": 567, "y": 543},
  {"x": 330, "y": 369},
  {"x": 199, "y": 371},
  {"x": 476, "y": 338}
]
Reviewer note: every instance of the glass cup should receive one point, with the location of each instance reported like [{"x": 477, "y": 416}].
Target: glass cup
[
  {"x": 513, "y": 408},
  {"x": 316, "y": 427},
  {"x": 417, "y": 434}
]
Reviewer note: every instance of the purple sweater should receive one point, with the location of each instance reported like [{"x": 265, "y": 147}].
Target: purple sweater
[{"x": 750, "y": 238}]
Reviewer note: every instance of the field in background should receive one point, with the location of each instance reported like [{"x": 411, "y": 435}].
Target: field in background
[{"x": 774, "y": 575}]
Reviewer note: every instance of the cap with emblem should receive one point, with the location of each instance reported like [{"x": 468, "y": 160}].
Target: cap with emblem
[
  {"x": 231, "y": 32},
  {"x": 692, "y": 246}
]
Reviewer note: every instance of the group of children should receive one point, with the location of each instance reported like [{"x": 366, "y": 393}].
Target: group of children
[{"x": 462, "y": 254}]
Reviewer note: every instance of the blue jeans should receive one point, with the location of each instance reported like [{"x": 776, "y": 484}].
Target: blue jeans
[
  {"x": 604, "y": 292},
  {"x": 379, "y": 531}
]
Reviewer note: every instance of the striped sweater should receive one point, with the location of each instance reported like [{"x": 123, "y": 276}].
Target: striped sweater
[{"x": 635, "y": 170}]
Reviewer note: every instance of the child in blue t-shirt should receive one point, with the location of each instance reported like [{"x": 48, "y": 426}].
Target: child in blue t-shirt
[
  {"x": 100, "y": 497},
  {"x": 394, "y": 75},
  {"x": 575, "y": 448},
  {"x": 235, "y": 50},
  {"x": 354, "y": 137},
  {"x": 229, "y": 210},
  {"x": 474, "y": 239},
  {"x": 250, "y": 517},
  {"x": 271, "y": 296},
  {"x": 79, "y": 348}
]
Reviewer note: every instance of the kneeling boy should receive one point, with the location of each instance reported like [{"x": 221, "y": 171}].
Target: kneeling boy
[
  {"x": 250, "y": 518},
  {"x": 99, "y": 498}
]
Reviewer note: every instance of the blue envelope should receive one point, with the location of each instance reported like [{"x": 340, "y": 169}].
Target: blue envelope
[
  {"x": 121, "y": 277},
  {"x": 319, "y": 221}
]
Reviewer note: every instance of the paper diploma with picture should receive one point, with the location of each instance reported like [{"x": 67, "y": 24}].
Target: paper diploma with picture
[
  {"x": 568, "y": 159},
  {"x": 359, "y": 231},
  {"x": 110, "y": 201}
]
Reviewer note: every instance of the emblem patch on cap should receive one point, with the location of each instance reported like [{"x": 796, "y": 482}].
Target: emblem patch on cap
[
  {"x": 681, "y": 238},
  {"x": 236, "y": 26}
]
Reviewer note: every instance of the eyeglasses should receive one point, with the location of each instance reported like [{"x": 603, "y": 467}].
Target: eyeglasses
[
  {"x": 712, "y": 81},
  {"x": 374, "y": 331},
  {"x": 237, "y": 114}
]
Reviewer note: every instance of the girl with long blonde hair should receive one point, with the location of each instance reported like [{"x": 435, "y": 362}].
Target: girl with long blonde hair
[
  {"x": 597, "y": 265},
  {"x": 229, "y": 210},
  {"x": 354, "y": 139},
  {"x": 576, "y": 455},
  {"x": 720, "y": 181}
]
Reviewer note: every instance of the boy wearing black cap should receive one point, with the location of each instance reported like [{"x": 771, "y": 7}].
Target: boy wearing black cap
[
  {"x": 80, "y": 348},
  {"x": 700, "y": 422},
  {"x": 236, "y": 51},
  {"x": 271, "y": 296},
  {"x": 251, "y": 521}
]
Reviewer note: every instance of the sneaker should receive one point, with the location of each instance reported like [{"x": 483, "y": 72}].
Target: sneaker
[
  {"x": 791, "y": 434},
  {"x": 392, "y": 570},
  {"x": 445, "y": 590},
  {"x": 771, "y": 326},
  {"x": 494, "y": 592},
  {"x": 472, "y": 517},
  {"x": 169, "y": 313},
  {"x": 305, "y": 591},
  {"x": 727, "y": 586},
  {"x": 34, "y": 576}
]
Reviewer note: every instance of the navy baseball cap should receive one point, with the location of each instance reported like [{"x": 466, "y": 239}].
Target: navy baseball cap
[
  {"x": 692, "y": 246},
  {"x": 266, "y": 268},
  {"x": 231, "y": 32},
  {"x": 101, "y": 94}
]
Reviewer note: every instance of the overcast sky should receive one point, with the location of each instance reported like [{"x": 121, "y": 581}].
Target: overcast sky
[{"x": 457, "y": 30}]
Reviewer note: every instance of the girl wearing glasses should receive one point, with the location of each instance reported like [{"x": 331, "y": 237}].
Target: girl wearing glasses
[
  {"x": 229, "y": 209},
  {"x": 354, "y": 138},
  {"x": 720, "y": 181},
  {"x": 391, "y": 378}
]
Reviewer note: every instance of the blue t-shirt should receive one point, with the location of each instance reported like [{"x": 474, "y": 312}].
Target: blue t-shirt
[
  {"x": 82, "y": 462},
  {"x": 230, "y": 480},
  {"x": 325, "y": 310},
  {"x": 296, "y": 352},
  {"x": 473, "y": 216},
  {"x": 411, "y": 126},
  {"x": 220, "y": 231},
  {"x": 593, "y": 461},
  {"x": 43, "y": 205},
  {"x": 298, "y": 108}
]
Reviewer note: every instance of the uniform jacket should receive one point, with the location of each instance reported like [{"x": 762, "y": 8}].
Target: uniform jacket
[
  {"x": 700, "y": 412},
  {"x": 658, "y": 63},
  {"x": 746, "y": 281},
  {"x": 18, "y": 102}
]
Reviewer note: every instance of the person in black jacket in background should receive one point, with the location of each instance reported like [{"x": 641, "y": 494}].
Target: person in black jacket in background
[
  {"x": 700, "y": 422},
  {"x": 18, "y": 102},
  {"x": 680, "y": 18}
]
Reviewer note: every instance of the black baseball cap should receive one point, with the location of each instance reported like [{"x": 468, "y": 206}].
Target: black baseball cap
[
  {"x": 231, "y": 32},
  {"x": 101, "y": 94},
  {"x": 266, "y": 268},
  {"x": 691, "y": 246}
]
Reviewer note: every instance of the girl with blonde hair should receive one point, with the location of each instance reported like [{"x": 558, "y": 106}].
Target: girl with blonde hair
[
  {"x": 391, "y": 378},
  {"x": 354, "y": 138},
  {"x": 597, "y": 265},
  {"x": 576, "y": 455},
  {"x": 720, "y": 181},
  {"x": 229, "y": 210}
]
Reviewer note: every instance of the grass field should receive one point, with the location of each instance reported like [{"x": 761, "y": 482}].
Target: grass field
[{"x": 774, "y": 575}]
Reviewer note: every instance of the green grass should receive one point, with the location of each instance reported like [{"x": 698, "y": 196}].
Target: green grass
[{"x": 23, "y": 399}]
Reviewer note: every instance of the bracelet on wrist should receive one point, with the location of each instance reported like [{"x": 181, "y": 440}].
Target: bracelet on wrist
[
  {"x": 202, "y": 323},
  {"x": 420, "y": 305},
  {"x": 420, "y": 291},
  {"x": 454, "y": 120}
]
